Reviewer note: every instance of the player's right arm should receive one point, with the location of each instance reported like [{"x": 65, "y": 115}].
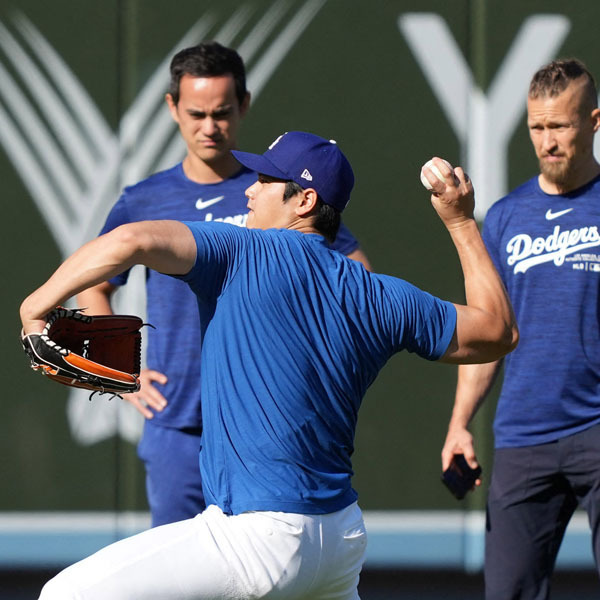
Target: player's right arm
[
  {"x": 474, "y": 383},
  {"x": 486, "y": 327}
]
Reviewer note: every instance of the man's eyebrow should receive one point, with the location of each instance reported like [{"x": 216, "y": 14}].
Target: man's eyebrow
[
  {"x": 219, "y": 109},
  {"x": 270, "y": 179}
]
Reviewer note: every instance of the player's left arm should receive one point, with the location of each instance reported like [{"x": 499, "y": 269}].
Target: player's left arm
[
  {"x": 359, "y": 256},
  {"x": 347, "y": 244},
  {"x": 165, "y": 246}
]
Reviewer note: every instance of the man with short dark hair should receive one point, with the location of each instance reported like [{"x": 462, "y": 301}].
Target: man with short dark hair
[
  {"x": 207, "y": 99},
  {"x": 298, "y": 334},
  {"x": 544, "y": 240}
]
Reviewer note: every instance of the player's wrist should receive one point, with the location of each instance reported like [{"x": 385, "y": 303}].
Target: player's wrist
[
  {"x": 463, "y": 226},
  {"x": 32, "y": 327},
  {"x": 31, "y": 320},
  {"x": 458, "y": 423}
]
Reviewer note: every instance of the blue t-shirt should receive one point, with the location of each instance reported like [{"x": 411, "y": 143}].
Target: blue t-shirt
[
  {"x": 547, "y": 250},
  {"x": 174, "y": 344},
  {"x": 298, "y": 335}
]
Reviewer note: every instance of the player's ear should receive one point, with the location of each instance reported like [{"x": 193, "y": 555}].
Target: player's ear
[
  {"x": 307, "y": 200},
  {"x": 172, "y": 107},
  {"x": 596, "y": 119},
  {"x": 245, "y": 105}
]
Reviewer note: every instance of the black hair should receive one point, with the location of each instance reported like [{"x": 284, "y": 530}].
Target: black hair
[
  {"x": 209, "y": 59},
  {"x": 327, "y": 219}
]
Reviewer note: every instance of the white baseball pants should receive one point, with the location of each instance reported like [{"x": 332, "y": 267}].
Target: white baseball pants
[{"x": 214, "y": 556}]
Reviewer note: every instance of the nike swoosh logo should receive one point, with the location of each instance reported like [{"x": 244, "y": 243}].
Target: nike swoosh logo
[
  {"x": 202, "y": 204},
  {"x": 550, "y": 215}
]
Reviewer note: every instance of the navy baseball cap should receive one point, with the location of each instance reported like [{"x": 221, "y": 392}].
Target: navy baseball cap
[{"x": 309, "y": 160}]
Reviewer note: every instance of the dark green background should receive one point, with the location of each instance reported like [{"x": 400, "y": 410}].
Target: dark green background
[{"x": 350, "y": 76}]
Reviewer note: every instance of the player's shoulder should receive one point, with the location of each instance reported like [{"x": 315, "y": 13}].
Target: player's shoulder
[
  {"x": 155, "y": 181},
  {"x": 219, "y": 232},
  {"x": 291, "y": 245},
  {"x": 515, "y": 198},
  {"x": 390, "y": 284},
  {"x": 591, "y": 188},
  {"x": 527, "y": 189}
]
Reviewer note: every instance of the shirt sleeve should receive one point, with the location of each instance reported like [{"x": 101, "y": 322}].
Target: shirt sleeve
[
  {"x": 420, "y": 322},
  {"x": 345, "y": 242},
  {"x": 219, "y": 247}
]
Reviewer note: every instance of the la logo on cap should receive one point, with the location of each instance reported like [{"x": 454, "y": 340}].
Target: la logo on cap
[
  {"x": 306, "y": 175},
  {"x": 275, "y": 142}
]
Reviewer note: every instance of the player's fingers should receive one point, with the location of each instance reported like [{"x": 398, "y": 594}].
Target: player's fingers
[
  {"x": 438, "y": 176},
  {"x": 154, "y": 399},
  {"x": 138, "y": 405},
  {"x": 449, "y": 452},
  {"x": 443, "y": 166},
  {"x": 470, "y": 457},
  {"x": 462, "y": 176},
  {"x": 434, "y": 175},
  {"x": 149, "y": 393},
  {"x": 447, "y": 455},
  {"x": 446, "y": 460},
  {"x": 447, "y": 171},
  {"x": 459, "y": 441},
  {"x": 433, "y": 180},
  {"x": 450, "y": 173},
  {"x": 149, "y": 375}
]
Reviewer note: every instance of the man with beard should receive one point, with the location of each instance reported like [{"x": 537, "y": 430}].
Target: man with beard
[{"x": 543, "y": 238}]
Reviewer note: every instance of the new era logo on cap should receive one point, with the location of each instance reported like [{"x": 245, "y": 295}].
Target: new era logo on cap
[{"x": 310, "y": 161}]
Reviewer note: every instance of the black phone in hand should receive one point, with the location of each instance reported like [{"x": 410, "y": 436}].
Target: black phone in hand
[{"x": 459, "y": 477}]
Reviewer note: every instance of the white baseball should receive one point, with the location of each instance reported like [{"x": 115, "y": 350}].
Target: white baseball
[{"x": 436, "y": 172}]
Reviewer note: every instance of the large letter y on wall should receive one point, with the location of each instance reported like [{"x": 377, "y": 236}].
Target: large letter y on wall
[{"x": 484, "y": 123}]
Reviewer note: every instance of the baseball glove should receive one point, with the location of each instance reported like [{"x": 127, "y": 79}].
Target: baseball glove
[{"x": 98, "y": 353}]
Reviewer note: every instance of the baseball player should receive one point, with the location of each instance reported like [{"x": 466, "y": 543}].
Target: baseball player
[
  {"x": 298, "y": 334},
  {"x": 208, "y": 100}
]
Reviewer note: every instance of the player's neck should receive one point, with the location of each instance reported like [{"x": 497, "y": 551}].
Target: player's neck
[
  {"x": 303, "y": 225},
  {"x": 200, "y": 171}
]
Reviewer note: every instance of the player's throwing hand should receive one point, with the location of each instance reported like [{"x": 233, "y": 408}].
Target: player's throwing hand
[{"x": 452, "y": 193}]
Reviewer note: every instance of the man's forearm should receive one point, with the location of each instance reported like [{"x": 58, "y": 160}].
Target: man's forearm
[
  {"x": 474, "y": 384},
  {"x": 93, "y": 263},
  {"x": 166, "y": 246}
]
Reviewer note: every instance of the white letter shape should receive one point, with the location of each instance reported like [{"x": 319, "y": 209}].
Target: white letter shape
[{"x": 484, "y": 124}]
